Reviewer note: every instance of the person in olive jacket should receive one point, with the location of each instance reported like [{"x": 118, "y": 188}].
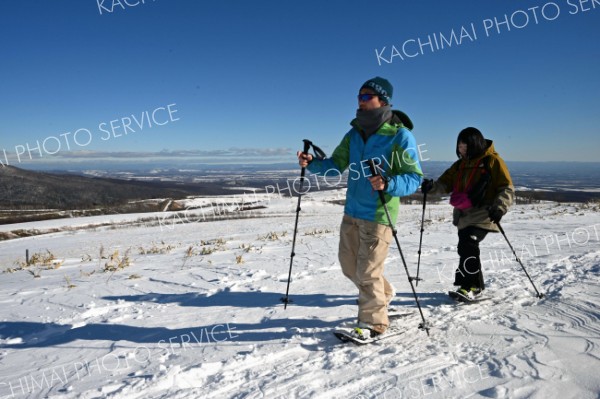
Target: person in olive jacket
[{"x": 482, "y": 191}]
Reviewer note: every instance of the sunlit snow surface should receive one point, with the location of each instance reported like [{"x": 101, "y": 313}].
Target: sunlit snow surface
[{"x": 194, "y": 310}]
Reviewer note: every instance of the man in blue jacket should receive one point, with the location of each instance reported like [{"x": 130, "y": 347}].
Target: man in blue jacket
[{"x": 382, "y": 134}]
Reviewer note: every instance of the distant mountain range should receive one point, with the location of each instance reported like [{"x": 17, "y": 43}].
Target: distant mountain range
[{"x": 29, "y": 195}]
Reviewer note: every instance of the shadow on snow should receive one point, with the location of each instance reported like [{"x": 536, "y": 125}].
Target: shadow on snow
[{"x": 20, "y": 335}]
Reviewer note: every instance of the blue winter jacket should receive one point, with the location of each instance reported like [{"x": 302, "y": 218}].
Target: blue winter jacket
[{"x": 394, "y": 148}]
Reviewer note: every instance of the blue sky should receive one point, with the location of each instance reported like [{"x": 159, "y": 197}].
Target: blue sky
[{"x": 250, "y": 80}]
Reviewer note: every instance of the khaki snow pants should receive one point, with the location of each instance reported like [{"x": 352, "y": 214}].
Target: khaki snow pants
[{"x": 362, "y": 252}]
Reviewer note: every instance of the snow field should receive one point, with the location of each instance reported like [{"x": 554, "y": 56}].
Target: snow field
[{"x": 196, "y": 312}]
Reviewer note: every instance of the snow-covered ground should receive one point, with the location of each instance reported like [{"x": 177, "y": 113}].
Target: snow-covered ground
[{"x": 191, "y": 309}]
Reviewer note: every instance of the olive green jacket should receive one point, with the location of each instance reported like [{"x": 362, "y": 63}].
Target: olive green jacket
[{"x": 499, "y": 191}]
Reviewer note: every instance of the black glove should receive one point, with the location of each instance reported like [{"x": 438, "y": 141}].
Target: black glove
[
  {"x": 426, "y": 186},
  {"x": 495, "y": 214}
]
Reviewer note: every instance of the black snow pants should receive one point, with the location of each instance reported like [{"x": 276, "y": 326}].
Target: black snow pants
[{"x": 469, "y": 272}]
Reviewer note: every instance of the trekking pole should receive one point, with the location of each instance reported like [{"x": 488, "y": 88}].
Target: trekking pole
[
  {"x": 539, "y": 295},
  {"x": 286, "y": 299},
  {"x": 421, "y": 239},
  {"x": 374, "y": 172}
]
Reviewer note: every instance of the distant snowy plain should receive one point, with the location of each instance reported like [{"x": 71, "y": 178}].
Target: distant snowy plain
[{"x": 184, "y": 307}]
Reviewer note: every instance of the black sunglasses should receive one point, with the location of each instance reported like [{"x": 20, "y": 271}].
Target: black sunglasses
[{"x": 366, "y": 97}]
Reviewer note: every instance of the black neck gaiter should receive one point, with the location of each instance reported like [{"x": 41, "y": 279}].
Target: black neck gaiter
[{"x": 371, "y": 120}]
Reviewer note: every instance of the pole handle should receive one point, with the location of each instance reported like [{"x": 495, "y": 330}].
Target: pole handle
[
  {"x": 307, "y": 144},
  {"x": 373, "y": 167},
  {"x": 375, "y": 172}
]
